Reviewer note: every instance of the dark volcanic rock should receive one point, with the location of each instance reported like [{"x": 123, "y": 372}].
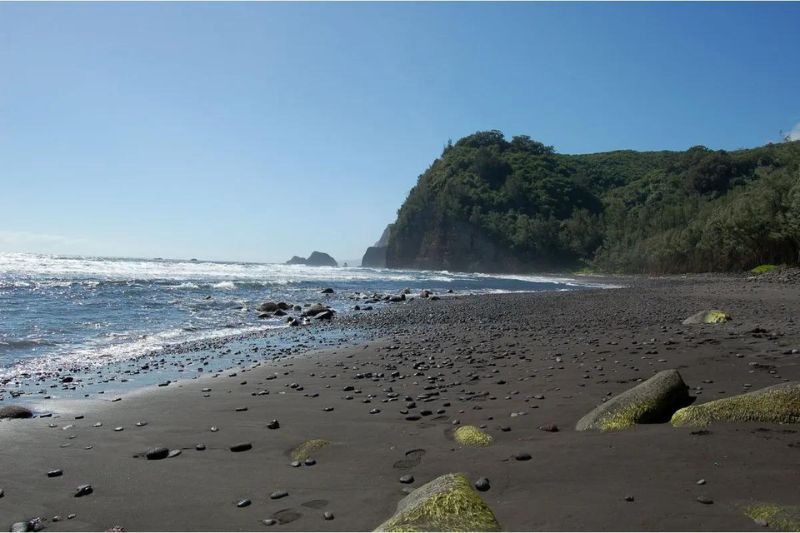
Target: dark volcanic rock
[
  {"x": 15, "y": 411},
  {"x": 374, "y": 257}
]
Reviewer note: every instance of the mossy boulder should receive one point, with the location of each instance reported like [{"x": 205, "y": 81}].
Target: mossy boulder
[
  {"x": 652, "y": 401},
  {"x": 710, "y": 316},
  {"x": 763, "y": 269},
  {"x": 448, "y": 503},
  {"x": 472, "y": 436},
  {"x": 777, "y": 517},
  {"x": 308, "y": 448},
  {"x": 778, "y": 404}
]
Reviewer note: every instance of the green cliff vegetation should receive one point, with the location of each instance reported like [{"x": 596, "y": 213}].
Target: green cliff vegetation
[{"x": 496, "y": 205}]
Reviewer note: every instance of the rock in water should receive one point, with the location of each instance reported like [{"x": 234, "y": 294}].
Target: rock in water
[
  {"x": 448, "y": 503},
  {"x": 778, "y": 404},
  {"x": 652, "y": 401},
  {"x": 15, "y": 411},
  {"x": 321, "y": 259},
  {"x": 710, "y": 316}
]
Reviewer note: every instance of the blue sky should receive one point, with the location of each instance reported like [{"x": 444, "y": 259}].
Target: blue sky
[{"x": 259, "y": 131}]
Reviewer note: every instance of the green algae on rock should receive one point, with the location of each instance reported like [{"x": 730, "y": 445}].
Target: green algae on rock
[
  {"x": 448, "y": 503},
  {"x": 472, "y": 436},
  {"x": 778, "y": 404},
  {"x": 777, "y": 517},
  {"x": 307, "y": 448},
  {"x": 652, "y": 401},
  {"x": 711, "y": 316}
]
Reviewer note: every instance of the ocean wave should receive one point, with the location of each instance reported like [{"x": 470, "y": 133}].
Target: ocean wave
[{"x": 100, "y": 354}]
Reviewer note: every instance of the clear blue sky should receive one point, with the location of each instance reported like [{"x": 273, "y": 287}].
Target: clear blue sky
[{"x": 259, "y": 131}]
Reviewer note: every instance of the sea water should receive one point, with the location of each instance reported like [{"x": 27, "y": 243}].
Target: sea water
[{"x": 57, "y": 312}]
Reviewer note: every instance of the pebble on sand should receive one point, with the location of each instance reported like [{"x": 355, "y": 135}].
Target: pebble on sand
[
  {"x": 241, "y": 447},
  {"x": 83, "y": 490}
]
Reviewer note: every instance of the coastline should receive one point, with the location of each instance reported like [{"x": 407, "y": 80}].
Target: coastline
[{"x": 515, "y": 361}]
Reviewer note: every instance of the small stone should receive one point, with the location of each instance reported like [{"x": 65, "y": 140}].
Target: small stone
[
  {"x": 214, "y": 429},
  {"x": 241, "y": 447},
  {"x": 119, "y": 428},
  {"x": 705, "y": 500},
  {"x": 327, "y": 515},
  {"x": 71, "y": 516},
  {"x": 552, "y": 428},
  {"x": 20, "y": 527},
  {"x": 629, "y": 498},
  {"x": 483, "y": 484},
  {"x": 701, "y": 481},
  {"x": 761, "y": 522},
  {"x": 374, "y": 411},
  {"x": 83, "y": 490},
  {"x": 243, "y": 503},
  {"x": 155, "y": 454},
  {"x": 269, "y": 522},
  {"x": 310, "y": 461},
  {"x": 408, "y": 478},
  {"x": 199, "y": 447},
  {"x": 523, "y": 456},
  {"x": 55, "y": 473},
  {"x": 273, "y": 425},
  {"x": 173, "y": 453},
  {"x": 141, "y": 423},
  {"x": 278, "y": 494},
  {"x": 241, "y": 409},
  {"x": 295, "y": 464}
]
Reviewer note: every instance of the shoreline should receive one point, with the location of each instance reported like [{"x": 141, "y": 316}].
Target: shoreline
[
  {"x": 97, "y": 378},
  {"x": 511, "y": 362}
]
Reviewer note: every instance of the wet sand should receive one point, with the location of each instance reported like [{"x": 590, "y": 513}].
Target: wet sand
[{"x": 513, "y": 362}]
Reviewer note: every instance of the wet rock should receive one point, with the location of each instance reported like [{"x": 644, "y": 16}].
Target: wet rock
[
  {"x": 278, "y": 494},
  {"x": 241, "y": 447},
  {"x": 55, "y": 473}
]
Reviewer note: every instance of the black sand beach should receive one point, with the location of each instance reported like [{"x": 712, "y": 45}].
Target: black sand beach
[{"x": 526, "y": 367}]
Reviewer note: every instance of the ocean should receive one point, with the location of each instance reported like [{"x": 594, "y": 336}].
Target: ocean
[{"x": 58, "y": 313}]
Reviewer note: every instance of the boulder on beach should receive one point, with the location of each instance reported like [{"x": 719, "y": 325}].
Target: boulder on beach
[
  {"x": 448, "y": 503},
  {"x": 709, "y": 316},
  {"x": 308, "y": 448},
  {"x": 779, "y": 404},
  {"x": 15, "y": 411},
  {"x": 652, "y": 401},
  {"x": 315, "y": 310},
  {"x": 776, "y": 517},
  {"x": 268, "y": 307},
  {"x": 472, "y": 436}
]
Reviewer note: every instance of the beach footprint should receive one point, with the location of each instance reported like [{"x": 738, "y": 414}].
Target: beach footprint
[
  {"x": 413, "y": 458},
  {"x": 286, "y": 516}
]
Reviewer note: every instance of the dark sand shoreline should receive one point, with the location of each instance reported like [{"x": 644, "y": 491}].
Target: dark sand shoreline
[{"x": 515, "y": 361}]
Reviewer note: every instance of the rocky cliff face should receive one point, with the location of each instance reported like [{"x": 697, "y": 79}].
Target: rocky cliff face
[
  {"x": 374, "y": 257},
  {"x": 450, "y": 245}
]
